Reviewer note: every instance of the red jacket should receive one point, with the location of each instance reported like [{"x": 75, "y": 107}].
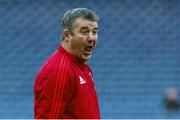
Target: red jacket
[{"x": 64, "y": 88}]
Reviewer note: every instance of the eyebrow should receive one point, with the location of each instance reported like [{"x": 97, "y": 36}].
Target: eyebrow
[{"x": 84, "y": 27}]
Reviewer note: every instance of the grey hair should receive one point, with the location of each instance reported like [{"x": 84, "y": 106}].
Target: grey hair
[{"x": 67, "y": 21}]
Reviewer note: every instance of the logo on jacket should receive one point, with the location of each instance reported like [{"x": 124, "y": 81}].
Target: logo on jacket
[{"x": 82, "y": 81}]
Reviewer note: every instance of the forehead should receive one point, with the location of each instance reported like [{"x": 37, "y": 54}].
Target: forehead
[{"x": 80, "y": 22}]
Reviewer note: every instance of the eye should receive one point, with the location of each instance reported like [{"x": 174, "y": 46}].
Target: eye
[
  {"x": 84, "y": 32},
  {"x": 95, "y": 32}
]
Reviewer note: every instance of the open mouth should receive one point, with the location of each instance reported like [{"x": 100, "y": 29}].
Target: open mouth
[{"x": 88, "y": 50}]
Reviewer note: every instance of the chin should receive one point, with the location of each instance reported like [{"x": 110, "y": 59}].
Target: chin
[{"x": 86, "y": 58}]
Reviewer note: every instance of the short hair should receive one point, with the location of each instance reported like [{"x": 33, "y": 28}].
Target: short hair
[{"x": 67, "y": 21}]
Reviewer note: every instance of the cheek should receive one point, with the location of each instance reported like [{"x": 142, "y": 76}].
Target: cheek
[
  {"x": 95, "y": 40},
  {"x": 78, "y": 42},
  {"x": 81, "y": 40}
]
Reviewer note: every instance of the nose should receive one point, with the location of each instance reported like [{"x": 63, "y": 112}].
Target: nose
[{"x": 90, "y": 37}]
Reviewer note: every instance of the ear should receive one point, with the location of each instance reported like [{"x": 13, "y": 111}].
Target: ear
[{"x": 66, "y": 35}]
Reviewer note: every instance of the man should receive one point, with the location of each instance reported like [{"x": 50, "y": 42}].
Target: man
[{"x": 64, "y": 87}]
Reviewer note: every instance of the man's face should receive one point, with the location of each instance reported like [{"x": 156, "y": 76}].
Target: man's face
[{"x": 83, "y": 38}]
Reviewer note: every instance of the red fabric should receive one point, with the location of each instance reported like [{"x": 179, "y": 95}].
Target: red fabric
[{"x": 64, "y": 88}]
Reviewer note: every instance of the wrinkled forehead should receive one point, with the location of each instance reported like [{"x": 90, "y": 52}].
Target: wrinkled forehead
[{"x": 80, "y": 22}]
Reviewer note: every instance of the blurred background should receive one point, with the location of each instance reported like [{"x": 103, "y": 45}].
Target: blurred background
[{"x": 136, "y": 62}]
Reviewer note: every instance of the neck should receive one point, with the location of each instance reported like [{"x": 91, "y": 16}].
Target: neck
[{"x": 66, "y": 47}]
